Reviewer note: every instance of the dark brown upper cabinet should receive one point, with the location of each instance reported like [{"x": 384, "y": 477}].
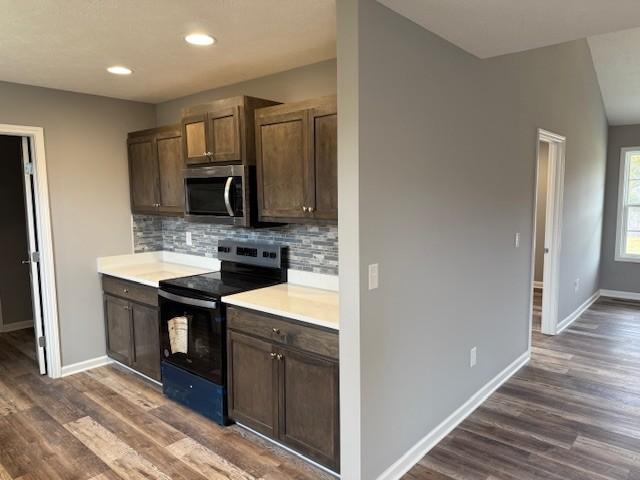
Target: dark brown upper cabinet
[
  {"x": 221, "y": 132},
  {"x": 155, "y": 171},
  {"x": 297, "y": 160}
]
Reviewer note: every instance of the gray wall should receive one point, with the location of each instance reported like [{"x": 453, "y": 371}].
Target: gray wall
[
  {"x": 15, "y": 284},
  {"x": 623, "y": 276},
  {"x": 310, "y": 81},
  {"x": 89, "y": 195},
  {"x": 446, "y": 174},
  {"x": 541, "y": 209}
]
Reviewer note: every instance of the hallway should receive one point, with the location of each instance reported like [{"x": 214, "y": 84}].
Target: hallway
[{"x": 572, "y": 413}]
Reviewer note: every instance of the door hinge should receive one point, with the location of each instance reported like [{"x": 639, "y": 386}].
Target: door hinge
[
  {"x": 35, "y": 257},
  {"x": 28, "y": 168},
  {"x": 41, "y": 342}
]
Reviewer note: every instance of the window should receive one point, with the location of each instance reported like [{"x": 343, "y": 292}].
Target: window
[{"x": 628, "y": 234}]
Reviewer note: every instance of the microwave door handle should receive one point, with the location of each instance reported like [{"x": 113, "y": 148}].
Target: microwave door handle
[{"x": 227, "y": 192}]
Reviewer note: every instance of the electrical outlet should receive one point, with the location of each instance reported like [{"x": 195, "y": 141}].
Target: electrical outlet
[
  {"x": 189, "y": 240},
  {"x": 473, "y": 356},
  {"x": 516, "y": 240},
  {"x": 576, "y": 285},
  {"x": 373, "y": 276}
]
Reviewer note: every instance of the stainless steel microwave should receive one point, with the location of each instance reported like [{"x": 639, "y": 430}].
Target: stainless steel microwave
[{"x": 221, "y": 194}]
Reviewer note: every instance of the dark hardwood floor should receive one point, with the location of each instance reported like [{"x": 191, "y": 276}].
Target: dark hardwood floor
[
  {"x": 572, "y": 413},
  {"x": 107, "y": 424},
  {"x": 537, "y": 310}
]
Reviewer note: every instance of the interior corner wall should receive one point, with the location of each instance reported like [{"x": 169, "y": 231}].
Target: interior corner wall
[
  {"x": 621, "y": 276},
  {"x": 86, "y": 154},
  {"x": 308, "y": 81},
  {"x": 446, "y": 178}
]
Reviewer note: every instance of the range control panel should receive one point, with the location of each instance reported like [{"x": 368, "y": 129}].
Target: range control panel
[{"x": 263, "y": 255}]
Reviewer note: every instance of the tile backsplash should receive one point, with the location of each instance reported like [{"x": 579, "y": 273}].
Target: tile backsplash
[{"x": 312, "y": 248}]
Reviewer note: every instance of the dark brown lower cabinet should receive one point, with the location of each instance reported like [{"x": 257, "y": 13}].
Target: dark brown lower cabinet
[
  {"x": 132, "y": 328},
  {"x": 282, "y": 390},
  {"x": 252, "y": 383}
]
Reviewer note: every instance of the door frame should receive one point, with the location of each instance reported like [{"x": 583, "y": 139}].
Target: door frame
[
  {"x": 35, "y": 136},
  {"x": 553, "y": 231}
]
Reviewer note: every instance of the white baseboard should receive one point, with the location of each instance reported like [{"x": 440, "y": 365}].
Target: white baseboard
[
  {"x": 537, "y": 284},
  {"x": 573, "y": 316},
  {"x": 86, "y": 365},
  {"x": 12, "y": 327},
  {"x": 420, "y": 449},
  {"x": 620, "y": 294}
]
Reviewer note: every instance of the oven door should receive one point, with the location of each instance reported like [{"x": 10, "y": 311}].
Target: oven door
[
  {"x": 193, "y": 335},
  {"x": 214, "y": 192}
]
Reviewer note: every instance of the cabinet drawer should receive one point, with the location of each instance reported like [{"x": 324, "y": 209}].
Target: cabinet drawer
[
  {"x": 130, "y": 290},
  {"x": 284, "y": 331}
]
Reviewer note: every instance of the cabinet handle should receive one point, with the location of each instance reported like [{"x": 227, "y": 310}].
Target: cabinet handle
[
  {"x": 208, "y": 154},
  {"x": 310, "y": 209},
  {"x": 276, "y": 331},
  {"x": 304, "y": 209},
  {"x": 280, "y": 356},
  {"x": 273, "y": 356}
]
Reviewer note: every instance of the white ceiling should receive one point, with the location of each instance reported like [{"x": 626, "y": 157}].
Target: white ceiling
[
  {"x": 68, "y": 44},
  {"x": 616, "y": 57},
  {"x": 487, "y": 28}
]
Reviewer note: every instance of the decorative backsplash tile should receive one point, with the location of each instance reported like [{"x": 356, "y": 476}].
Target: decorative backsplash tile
[{"x": 311, "y": 247}]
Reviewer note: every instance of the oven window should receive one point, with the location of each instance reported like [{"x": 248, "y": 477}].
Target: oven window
[
  {"x": 206, "y": 196},
  {"x": 193, "y": 339}
]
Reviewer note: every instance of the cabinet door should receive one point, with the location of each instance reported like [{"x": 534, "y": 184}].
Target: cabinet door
[
  {"x": 224, "y": 135},
  {"x": 170, "y": 165},
  {"x": 283, "y": 165},
  {"x": 252, "y": 383},
  {"x": 309, "y": 406},
  {"x": 143, "y": 174},
  {"x": 118, "y": 329},
  {"x": 324, "y": 151},
  {"x": 194, "y": 133},
  {"x": 146, "y": 340}
]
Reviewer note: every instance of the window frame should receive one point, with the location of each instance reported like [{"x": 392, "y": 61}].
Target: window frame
[{"x": 623, "y": 206}]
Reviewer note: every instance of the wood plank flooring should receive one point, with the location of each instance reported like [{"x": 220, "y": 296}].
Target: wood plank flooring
[
  {"x": 107, "y": 424},
  {"x": 572, "y": 413}
]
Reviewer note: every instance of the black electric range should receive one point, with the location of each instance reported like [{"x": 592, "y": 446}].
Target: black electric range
[{"x": 193, "y": 323}]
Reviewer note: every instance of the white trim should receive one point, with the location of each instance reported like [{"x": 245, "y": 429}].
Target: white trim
[
  {"x": 420, "y": 449},
  {"x": 553, "y": 231},
  {"x": 313, "y": 279},
  {"x": 45, "y": 243},
  {"x": 12, "y": 327},
  {"x": 621, "y": 218},
  {"x": 537, "y": 284},
  {"x": 85, "y": 365},
  {"x": 288, "y": 449},
  {"x": 620, "y": 294},
  {"x": 573, "y": 316}
]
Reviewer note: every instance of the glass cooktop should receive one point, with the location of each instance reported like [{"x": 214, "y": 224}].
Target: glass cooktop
[{"x": 217, "y": 284}]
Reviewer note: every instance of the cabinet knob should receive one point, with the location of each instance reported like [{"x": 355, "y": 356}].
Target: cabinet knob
[
  {"x": 273, "y": 356},
  {"x": 208, "y": 154},
  {"x": 279, "y": 356},
  {"x": 310, "y": 209},
  {"x": 276, "y": 331},
  {"x": 126, "y": 290},
  {"x": 304, "y": 209}
]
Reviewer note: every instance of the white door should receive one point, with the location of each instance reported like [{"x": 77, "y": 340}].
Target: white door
[{"x": 33, "y": 254}]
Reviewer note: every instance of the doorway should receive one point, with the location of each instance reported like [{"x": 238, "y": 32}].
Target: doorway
[
  {"x": 29, "y": 323},
  {"x": 547, "y": 222}
]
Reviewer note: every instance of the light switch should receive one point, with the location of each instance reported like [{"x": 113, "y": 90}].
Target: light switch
[
  {"x": 516, "y": 240},
  {"x": 373, "y": 276}
]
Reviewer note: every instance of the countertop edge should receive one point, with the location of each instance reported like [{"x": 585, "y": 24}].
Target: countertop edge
[
  {"x": 131, "y": 278},
  {"x": 281, "y": 313}
]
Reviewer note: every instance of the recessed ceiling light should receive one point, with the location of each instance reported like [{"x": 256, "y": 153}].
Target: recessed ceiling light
[
  {"x": 200, "y": 39},
  {"x": 119, "y": 70}
]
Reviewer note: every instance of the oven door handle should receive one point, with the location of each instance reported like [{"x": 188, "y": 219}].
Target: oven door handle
[
  {"x": 227, "y": 199},
  {"x": 194, "y": 302}
]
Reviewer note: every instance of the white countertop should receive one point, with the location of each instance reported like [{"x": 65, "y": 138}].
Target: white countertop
[
  {"x": 306, "y": 304},
  {"x": 152, "y": 267}
]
